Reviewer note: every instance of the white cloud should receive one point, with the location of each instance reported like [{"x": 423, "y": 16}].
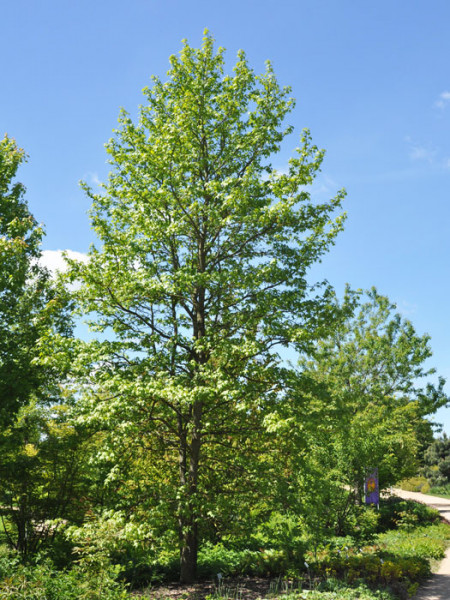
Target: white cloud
[
  {"x": 54, "y": 260},
  {"x": 407, "y": 308},
  {"x": 443, "y": 100},
  {"x": 418, "y": 151},
  {"x": 92, "y": 178},
  {"x": 324, "y": 186}
]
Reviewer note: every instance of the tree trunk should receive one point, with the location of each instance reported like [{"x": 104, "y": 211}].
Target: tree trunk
[
  {"x": 188, "y": 528},
  {"x": 190, "y": 450},
  {"x": 188, "y": 554}
]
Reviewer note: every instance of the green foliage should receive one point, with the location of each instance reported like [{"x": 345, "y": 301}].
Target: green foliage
[
  {"x": 436, "y": 462},
  {"x": 32, "y": 308},
  {"x": 424, "y": 542},
  {"x": 184, "y": 432},
  {"x": 35, "y": 469},
  {"x": 376, "y": 566},
  {"x": 396, "y": 513},
  {"x": 399, "y": 558},
  {"x": 334, "y": 589},
  {"x": 281, "y": 532},
  {"x": 372, "y": 568},
  {"x": 41, "y": 581},
  {"x": 362, "y": 524},
  {"x": 441, "y": 490},
  {"x": 363, "y": 405},
  {"x": 415, "y": 484},
  {"x": 201, "y": 277},
  {"x": 40, "y": 463},
  {"x": 264, "y": 562}
]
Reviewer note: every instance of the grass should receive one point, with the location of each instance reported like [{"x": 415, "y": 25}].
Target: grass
[{"x": 442, "y": 490}]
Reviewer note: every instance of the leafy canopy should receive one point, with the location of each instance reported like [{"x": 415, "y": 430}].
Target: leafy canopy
[
  {"x": 200, "y": 276},
  {"x": 31, "y": 307}
]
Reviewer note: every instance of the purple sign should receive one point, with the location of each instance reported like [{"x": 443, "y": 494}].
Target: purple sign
[{"x": 371, "y": 489}]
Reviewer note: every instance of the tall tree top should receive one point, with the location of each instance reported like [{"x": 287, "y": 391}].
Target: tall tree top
[{"x": 195, "y": 218}]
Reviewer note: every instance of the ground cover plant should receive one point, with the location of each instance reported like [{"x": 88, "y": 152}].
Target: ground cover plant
[
  {"x": 407, "y": 537},
  {"x": 41, "y": 580}
]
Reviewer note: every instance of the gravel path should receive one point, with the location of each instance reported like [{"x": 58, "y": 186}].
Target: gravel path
[{"x": 438, "y": 586}]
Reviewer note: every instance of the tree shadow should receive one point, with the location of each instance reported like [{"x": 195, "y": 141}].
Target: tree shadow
[{"x": 436, "y": 588}]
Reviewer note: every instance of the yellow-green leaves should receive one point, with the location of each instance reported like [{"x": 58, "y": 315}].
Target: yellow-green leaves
[{"x": 200, "y": 278}]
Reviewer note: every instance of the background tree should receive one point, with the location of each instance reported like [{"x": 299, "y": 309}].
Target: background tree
[
  {"x": 34, "y": 310},
  {"x": 366, "y": 391},
  {"x": 201, "y": 277},
  {"x": 42, "y": 456},
  {"x": 436, "y": 461},
  {"x": 31, "y": 306},
  {"x": 357, "y": 401}
]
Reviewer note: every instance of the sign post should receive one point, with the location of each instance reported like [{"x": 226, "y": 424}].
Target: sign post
[{"x": 371, "y": 488}]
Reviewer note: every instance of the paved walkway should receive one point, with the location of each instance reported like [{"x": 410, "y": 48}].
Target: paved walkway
[{"x": 438, "y": 586}]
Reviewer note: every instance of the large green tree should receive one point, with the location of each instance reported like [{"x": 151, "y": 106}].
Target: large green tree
[
  {"x": 200, "y": 278},
  {"x": 31, "y": 306},
  {"x": 33, "y": 309},
  {"x": 368, "y": 391},
  {"x": 358, "y": 401}
]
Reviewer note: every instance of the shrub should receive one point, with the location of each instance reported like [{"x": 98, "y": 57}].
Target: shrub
[
  {"x": 42, "y": 581},
  {"x": 280, "y": 532},
  {"x": 415, "y": 484},
  {"x": 269, "y": 561},
  {"x": 395, "y": 513},
  {"x": 437, "y": 462},
  {"x": 141, "y": 568},
  {"x": 424, "y": 542},
  {"x": 362, "y": 524},
  {"x": 374, "y": 567},
  {"x": 441, "y": 490}
]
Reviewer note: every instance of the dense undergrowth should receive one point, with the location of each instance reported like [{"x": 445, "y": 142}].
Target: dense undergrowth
[
  {"x": 392, "y": 561},
  {"x": 440, "y": 490},
  {"x": 421, "y": 484}
]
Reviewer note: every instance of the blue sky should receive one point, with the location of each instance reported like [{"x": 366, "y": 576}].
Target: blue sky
[{"x": 371, "y": 81}]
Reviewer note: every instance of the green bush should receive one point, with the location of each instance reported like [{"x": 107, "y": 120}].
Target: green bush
[
  {"x": 437, "y": 462},
  {"x": 42, "y": 581},
  {"x": 265, "y": 562},
  {"x": 423, "y": 542},
  {"x": 440, "y": 490},
  {"x": 362, "y": 524},
  {"x": 397, "y": 513},
  {"x": 280, "y": 532},
  {"x": 415, "y": 484}
]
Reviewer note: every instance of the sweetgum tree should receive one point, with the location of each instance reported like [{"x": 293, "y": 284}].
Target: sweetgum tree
[{"x": 200, "y": 277}]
